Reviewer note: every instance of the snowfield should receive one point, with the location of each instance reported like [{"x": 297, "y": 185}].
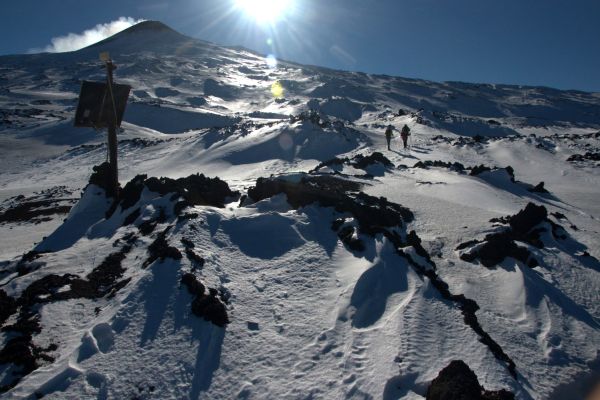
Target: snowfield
[{"x": 266, "y": 244}]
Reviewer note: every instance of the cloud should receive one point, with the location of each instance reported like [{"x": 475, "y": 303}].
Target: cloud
[{"x": 75, "y": 41}]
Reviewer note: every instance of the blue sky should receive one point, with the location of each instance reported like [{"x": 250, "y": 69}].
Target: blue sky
[{"x": 530, "y": 42}]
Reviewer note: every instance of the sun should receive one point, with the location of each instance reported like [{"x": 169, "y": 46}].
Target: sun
[{"x": 265, "y": 11}]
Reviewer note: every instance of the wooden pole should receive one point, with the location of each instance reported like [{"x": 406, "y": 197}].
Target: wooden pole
[{"x": 112, "y": 131}]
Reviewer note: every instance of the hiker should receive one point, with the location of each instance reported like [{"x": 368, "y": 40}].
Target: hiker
[
  {"x": 405, "y": 134},
  {"x": 388, "y": 135}
]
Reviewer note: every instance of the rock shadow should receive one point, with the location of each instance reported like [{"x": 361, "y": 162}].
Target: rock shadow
[
  {"x": 208, "y": 357},
  {"x": 267, "y": 236},
  {"x": 156, "y": 296},
  {"x": 375, "y": 286}
]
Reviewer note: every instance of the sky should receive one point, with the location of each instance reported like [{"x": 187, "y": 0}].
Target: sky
[{"x": 553, "y": 43}]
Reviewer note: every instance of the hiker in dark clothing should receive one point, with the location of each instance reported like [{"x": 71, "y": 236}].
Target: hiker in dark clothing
[
  {"x": 388, "y": 135},
  {"x": 404, "y": 134}
]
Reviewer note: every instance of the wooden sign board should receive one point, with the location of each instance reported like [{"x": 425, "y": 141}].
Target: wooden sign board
[{"x": 95, "y": 109}]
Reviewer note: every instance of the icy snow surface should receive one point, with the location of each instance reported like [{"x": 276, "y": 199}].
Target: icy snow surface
[{"x": 310, "y": 317}]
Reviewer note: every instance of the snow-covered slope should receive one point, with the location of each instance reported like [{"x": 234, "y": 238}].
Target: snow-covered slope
[{"x": 319, "y": 264}]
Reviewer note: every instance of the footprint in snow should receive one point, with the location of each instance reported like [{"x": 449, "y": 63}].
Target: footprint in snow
[{"x": 105, "y": 337}]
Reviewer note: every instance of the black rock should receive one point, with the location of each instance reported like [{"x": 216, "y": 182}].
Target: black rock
[
  {"x": 187, "y": 243},
  {"x": 346, "y": 235},
  {"x": 194, "y": 258},
  {"x": 458, "y": 382},
  {"x": 511, "y": 172},
  {"x": 539, "y": 188},
  {"x": 455, "y": 166},
  {"x": 194, "y": 286},
  {"x": 206, "y": 305},
  {"x": 160, "y": 249},
  {"x": 8, "y": 306},
  {"x": 592, "y": 156},
  {"x": 130, "y": 219},
  {"x": 102, "y": 177},
  {"x": 195, "y": 189},
  {"x": 147, "y": 227},
  {"x": 478, "y": 169},
  {"x": 211, "y": 309},
  {"x": 132, "y": 191},
  {"x": 363, "y": 162},
  {"x": 455, "y": 382},
  {"x": 496, "y": 248},
  {"x": 373, "y": 214},
  {"x": 526, "y": 219}
]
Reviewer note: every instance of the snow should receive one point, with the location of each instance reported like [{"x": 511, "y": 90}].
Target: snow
[{"x": 310, "y": 318}]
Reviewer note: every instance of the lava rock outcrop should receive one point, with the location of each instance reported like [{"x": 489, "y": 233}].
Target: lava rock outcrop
[{"x": 458, "y": 382}]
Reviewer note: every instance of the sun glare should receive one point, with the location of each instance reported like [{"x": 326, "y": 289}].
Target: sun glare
[
  {"x": 277, "y": 90},
  {"x": 265, "y": 11}
]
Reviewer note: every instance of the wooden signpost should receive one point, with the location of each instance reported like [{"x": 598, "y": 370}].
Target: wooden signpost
[{"x": 102, "y": 105}]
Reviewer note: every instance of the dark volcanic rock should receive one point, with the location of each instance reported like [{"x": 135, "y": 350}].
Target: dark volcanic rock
[
  {"x": 479, "y": 169},
  {"x": 38, "y": 207},
  {"x": 195, "y": 189},
  {"x": 523, "y": 226},
  {"x": 130, "y": 194},
  {"x": 511, "y": 172},
  {"x": 359, "y": 161},
  {"x": 195, "y": 259},
  {"x": 20, "y": 349},
  {"x": 539, "y": 188},
  {"x": 101, "y": 281},
  {"x": 8, "y": 306},
  {"x": 592, "y": 156},
  {"x": 148, "y": 226},
  {"x": 373, "y": 214},
  {"x": 458, "y": 382},
  {"x": 194, "y": 286},
  {"x": 35, "y": 211},
  {"x": 347, "y": 236},
  {"x": 206, "y": 305},
  {"x": 102, "y": 177},
  {"x": 187, "y": 243},
  {"x": 211, "y": 308},
  {"x": 160, "y": 249},
  {"x": 130, "y": 219},
  {"x": 456, "y": 166},
  {"x": 496, "y": 248},
  {"x": 363, "y": 162},
  {"x": 522, "y": 222}
]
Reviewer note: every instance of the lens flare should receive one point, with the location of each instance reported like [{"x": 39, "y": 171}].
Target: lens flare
[
  {"x": 285, "y": 141},
  {"x": 271, "y": 61},
  {"x": 265, "y": 11},
  {"x": 277, "y": 90}
]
